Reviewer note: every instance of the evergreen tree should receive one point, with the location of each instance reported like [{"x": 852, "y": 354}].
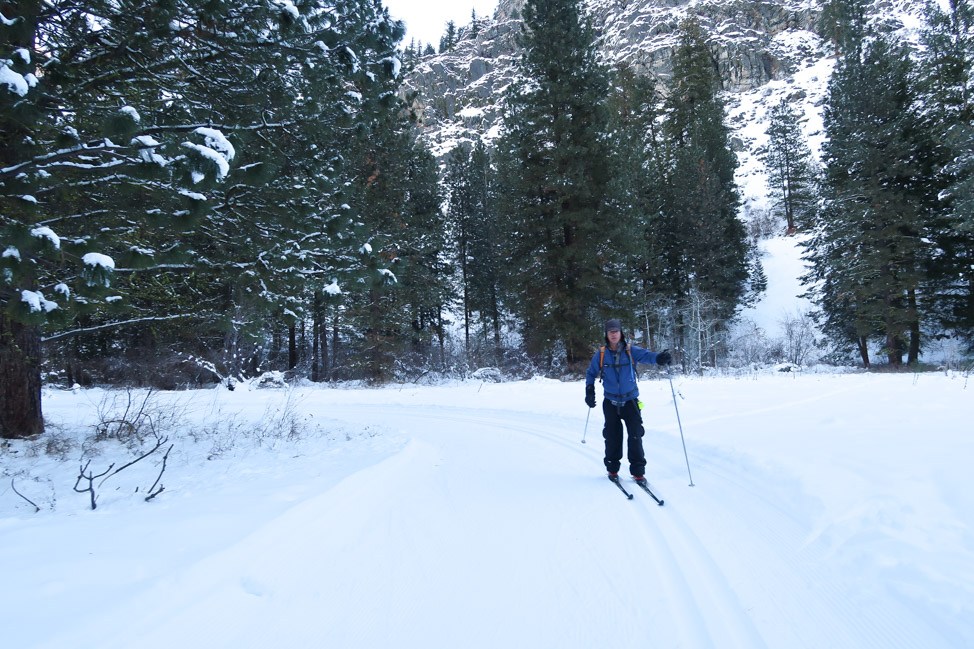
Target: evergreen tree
[
  {"x": 450, "y": 37},
  {"x": 790, "y": 167},
  {"x": 474, "y": 23},
  {"x": 396, "y": 305},
  {"x": 370, "y": 315},
  {"x": 701, "y": 241},
  {"x": 411, "y": 53},
  {"x": 485, "y": 275},
  {"x": 461, "y": 212},
  {"x": 868, "y": 243},
  {"x": 425, "y": 272},
  {"x": 126, "y": 154},
  {"x": 844, "y": 23},
  {"x": 947, "y": 90},
  {"x": 471, "y": 218},
  {"x": 554, "y": 173},
  {"x": 635, "y": 112}
]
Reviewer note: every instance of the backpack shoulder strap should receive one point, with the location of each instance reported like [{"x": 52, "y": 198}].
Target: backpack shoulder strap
[
  {"x": 632, "y": 363},
  {"x": 601, "y": 361}
]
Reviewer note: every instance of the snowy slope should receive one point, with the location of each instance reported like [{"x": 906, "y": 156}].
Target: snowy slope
[
  {"x": 783, "y": 265},
  {"x": 828, "y": 511}
]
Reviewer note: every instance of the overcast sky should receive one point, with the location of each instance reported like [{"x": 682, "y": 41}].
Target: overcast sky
[{"x": 426, "y": 19}]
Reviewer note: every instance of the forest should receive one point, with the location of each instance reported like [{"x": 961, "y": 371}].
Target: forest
[{"x": 199, "y": 191}]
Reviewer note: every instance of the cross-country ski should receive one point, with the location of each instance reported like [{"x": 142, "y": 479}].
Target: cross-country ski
[
  {"x": 645, "y": 487},
  {"x": 615, "y": 480}
]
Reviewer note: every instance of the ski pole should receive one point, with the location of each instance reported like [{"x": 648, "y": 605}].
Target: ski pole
[
  {"x": 585, "y": 432},
  {"x": 680, "y": 424}
]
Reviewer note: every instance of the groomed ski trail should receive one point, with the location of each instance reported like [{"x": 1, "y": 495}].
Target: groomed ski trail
[{"x": 508, "y": 513}]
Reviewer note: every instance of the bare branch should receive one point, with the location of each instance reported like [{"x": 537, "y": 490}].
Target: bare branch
[
  {"x": 159, "y": 442},
  {"x": 90, "y": 477},
  {"x": 74, "y": 332},
  {"x": 36, "y": 508},
  {"x": 152, "y": 490}
]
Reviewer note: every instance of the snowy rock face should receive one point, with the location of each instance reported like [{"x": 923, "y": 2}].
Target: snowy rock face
[
  {"x": 460, "y": 91},
  {"x": 743, "y": 34},
  {"x": 767, "y": 52}
]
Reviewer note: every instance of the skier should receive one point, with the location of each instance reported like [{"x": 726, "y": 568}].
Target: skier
[{"x": 615, "y": 366}]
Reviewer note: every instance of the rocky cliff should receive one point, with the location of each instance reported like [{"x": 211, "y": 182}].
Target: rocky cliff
[{"x": 765, "y": 51}]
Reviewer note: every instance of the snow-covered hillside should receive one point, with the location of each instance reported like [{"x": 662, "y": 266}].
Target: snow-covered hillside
[
  {"x": 461, "y": 92},
  {"x": 767, "y": 52},
  {"x": 828, "y": 511}
]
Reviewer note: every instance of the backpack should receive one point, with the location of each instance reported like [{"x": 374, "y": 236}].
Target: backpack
[{"x": 632, "y": 363}]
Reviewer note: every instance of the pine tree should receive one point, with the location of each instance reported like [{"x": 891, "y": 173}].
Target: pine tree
[
  {"x": 425, "y": 272},
  {"x": 553, "y": 174},
  {"x": 450, "y": 37},
  {"x": 947, "y": 90},
  {"x": 700, "y": 239},
  {"x": 129, "y": 155},
  {"x": 396, "y": 305},
  {"x": 868, "y": 244},
  {"x": 458, "y": 182},
  {"x": 472, "y": 221},
  {"x": 474, "y": 23},
  {"x": 844, "y": 23},
  {"x": 791, "y": 170},
  {"x": 635, "y": 112},
  {"x": 485, "y": 274},
  {"x": 370, "y": 315},
  {"x": 21, "y": 117}
]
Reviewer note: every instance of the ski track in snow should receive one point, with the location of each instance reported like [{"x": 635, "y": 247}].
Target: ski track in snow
[{"x": 430, "y": 527}]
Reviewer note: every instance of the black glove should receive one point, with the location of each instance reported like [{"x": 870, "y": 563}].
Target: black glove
[
  {"x": 590, "y": 396},
  {"x": 664, "y": 358}
]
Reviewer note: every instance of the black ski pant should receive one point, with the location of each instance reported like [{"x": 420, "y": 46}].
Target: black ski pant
[{"x": 615, "y": 415}]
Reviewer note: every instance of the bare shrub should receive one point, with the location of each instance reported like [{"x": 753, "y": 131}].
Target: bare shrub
[
  {"x": 141, "y": 424},
  {"x": 749, "y": 345},
  {"x": 762, "y": 224},
  {"x": 278, "y": 422},
  {"x": 89, "y": 476},
  {"x": 132, "y": 418},
  {"x": 799, "y": 341},
  {"x": 54, "y": 443},
  {"x": 238, "y": 360}
]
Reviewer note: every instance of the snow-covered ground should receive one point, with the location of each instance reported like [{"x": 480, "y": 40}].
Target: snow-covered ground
[
  {"x": 828, "y": 510},
  {"x": 781, "y": 258}
]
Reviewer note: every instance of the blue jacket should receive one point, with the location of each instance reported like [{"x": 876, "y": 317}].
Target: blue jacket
[{"x": 618, "y": 372}]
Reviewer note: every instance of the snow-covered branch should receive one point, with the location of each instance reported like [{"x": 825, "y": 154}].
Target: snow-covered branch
[{"x": 111, "y": 325}]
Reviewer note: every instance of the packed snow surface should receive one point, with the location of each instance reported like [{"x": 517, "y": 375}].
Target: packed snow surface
[{"x": 828, "y": 510}]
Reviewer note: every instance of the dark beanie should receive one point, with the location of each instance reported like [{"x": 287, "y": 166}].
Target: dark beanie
[{"x": 613, "y": 324}]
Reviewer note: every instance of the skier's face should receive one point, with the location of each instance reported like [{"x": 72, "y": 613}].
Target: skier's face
[{"x": 614, "y": 336}]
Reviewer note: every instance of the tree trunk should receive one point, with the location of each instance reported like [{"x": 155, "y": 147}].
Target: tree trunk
[
  {"x": 863, "y": 345},
  {"x": 292, "y": 347},
  {"x": 913, "y": 353},
  {"x": 20, "y": 344},
  {"x": 495, "y": 312},
  {"x": 20, "y": 380},
  {"x": 466, "y": 296},
  {"x": 894, "y": 349},
  {"x": 325, "y": 350},
  {"x": 330, "y": 369},
  {"x": 441, "y": 336},
  {"x": 316, "y": 338}
]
